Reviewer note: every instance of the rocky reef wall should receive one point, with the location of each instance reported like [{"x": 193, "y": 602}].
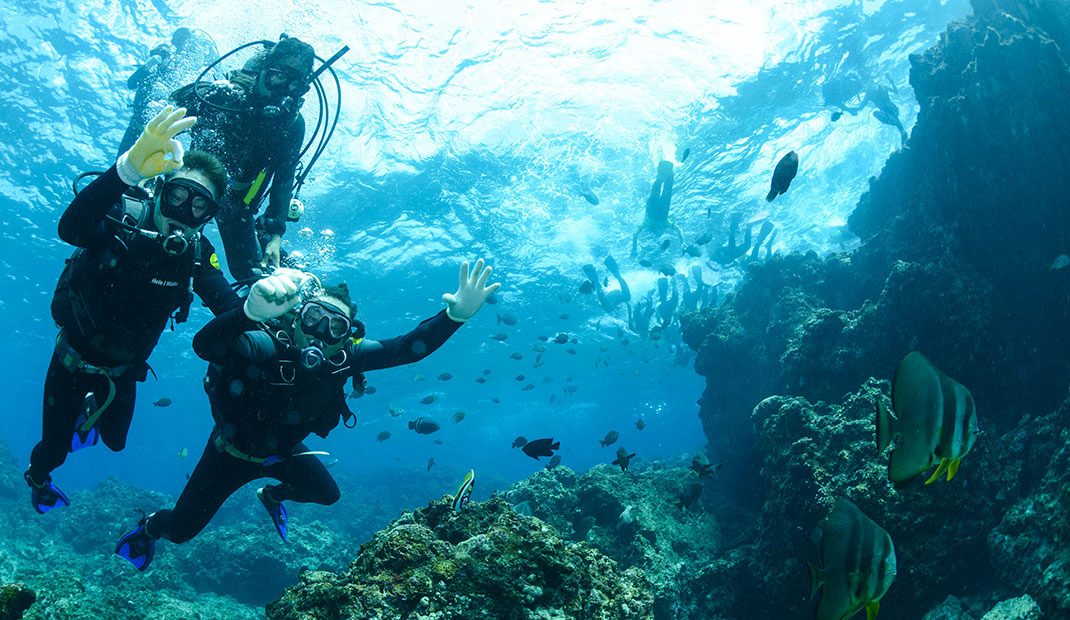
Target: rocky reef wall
[{"x": 959, "y": 233}]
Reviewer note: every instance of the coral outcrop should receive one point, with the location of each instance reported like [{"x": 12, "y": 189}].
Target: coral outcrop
[
  {"x": 485, "y": 561},
  {"x": 652, "y": 519}
]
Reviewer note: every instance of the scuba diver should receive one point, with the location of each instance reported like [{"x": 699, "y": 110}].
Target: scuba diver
[
  {"x": 167, "y": 67},
  {"x": 278, "y": 371},
  {"x": 613, "y": 298},
  {"x": 138, "y": 265},
  {"x": 252, "y": 121}
]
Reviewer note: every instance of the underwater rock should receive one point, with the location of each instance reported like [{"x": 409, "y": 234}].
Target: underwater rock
[
  {"x": 634, "y": 519},
  {"x": 485, "y": 561},
  {"x": 15, "y": 598},
  {"x": 1028, "y": 548},
  {"x": 1021, "y": 608}
]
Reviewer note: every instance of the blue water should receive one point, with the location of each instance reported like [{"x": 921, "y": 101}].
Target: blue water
[{"x": 467, "y": 130}]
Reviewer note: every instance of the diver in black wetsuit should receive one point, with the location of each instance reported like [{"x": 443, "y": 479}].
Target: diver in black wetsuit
[
  {"x": 166, "y": 68},
  {"x": 274, "y": 379},
  {"x": 137, "y": 263},
  {"x": 253, "y": 124}
]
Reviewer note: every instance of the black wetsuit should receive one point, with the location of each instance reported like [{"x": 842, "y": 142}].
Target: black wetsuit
[
  {"x": 265, "y": 405},
  {"x": 247, "y": 143},
  {"x": 113, "y": 315}
]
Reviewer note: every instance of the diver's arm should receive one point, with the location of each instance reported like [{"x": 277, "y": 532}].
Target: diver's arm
[
  {"x": 428, "y": 336},
  {"x": 225, "y": 335},
  {"x": 211, "y": 285},
  {"x": 80, "y": 224}
]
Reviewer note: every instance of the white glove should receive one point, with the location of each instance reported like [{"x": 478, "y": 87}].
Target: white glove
[
  {"x": 471, "y": 292},
  {"x": 156, "y": 150},
  {"x": 275, "y": 295}
]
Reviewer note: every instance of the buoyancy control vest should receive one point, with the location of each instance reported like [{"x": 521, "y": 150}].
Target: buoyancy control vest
[{"x": 114, "y": 300}]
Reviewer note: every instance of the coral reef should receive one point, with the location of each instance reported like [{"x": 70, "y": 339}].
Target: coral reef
[
  {"x": 652, "y": 519},
  {"x": 15, "y": 598},
  {"x": 485, "y": 561}
]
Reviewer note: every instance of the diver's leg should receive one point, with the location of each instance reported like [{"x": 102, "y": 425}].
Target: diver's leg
[
  {"x": 611, "y": 265},
  {"x": 216, "y": 477},
  {"x": 63, "y": 401},
  {"x": 114, "y": 422},
  {"x": 237, "y": 229},
  {"x": 304, "y": 479}
]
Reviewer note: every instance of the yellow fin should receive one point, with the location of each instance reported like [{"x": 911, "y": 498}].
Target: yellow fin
[
  {"x": 951, "y": 471},
  {"x": 944, "y": 463},
  {"x": 872, "y": 609}
]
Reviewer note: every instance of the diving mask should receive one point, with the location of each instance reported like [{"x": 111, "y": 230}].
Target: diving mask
[
  {"x": 187, "y": 202},
  {"x": 324, "y": 322}
]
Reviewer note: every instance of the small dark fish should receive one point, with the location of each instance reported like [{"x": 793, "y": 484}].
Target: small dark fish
[
  {"x": 538, "y": 347},
  {"x": 496, "y": 400},
  {"x": 547, "y": 379},
  {"x": 486, "y": 371},
  {"x": 571, "y": 389},
  {"x": 458, "y": 416},
  {"x": 590, "y": 196},
  {"x": 430, "y": 463},
  {"x": 611, "y": 438},
  {"x": 564, "y": 298},
  {"x": 645, "y": 263},
  {"x": 624, "y": 342},
  {"x": 538, "y": 358},
  {"x": 682, "y": 157},
  {"x": 396, "y": 412},
  {"x": 481, "y": 380},
  {"x": 690, "y": 495},
  {"x": 553, "y": 397},
  {"x": 492, "y": 299},
  {"x": 667, "y": 270},
  {"x": 785, "y": 171},
  {"x": 520, "y": 377},
  {"x": 538, "y": 364},
  {"x": 519, "y": 442},
  {"x": 554, "y": 461},
  {"x": 382, "y": 436},
  {"x": 541, "y": 447},
  {"x": 508, "y": 318},
  {"x": 439, "y": 442},
  {"x": 370, "y": 390},
  {"x": 515, "y": 355},
  {"x": 527, "y": 387},
  {"x": 836, "y": 116},
  {"x": 500, "y": 337},
  {"x": 564, "y": 316},
  {"x": 703, "y": 239},
  {"x": 586, "y": 288},
  {"x": 430, "y": 398},
  {"x": 640, "y": 424},
  {"x": 693, "y": 251},
  {"x": 544, "y": 338},
  {"x": 574, "y": 340},
  {"x": 163, "y": 402},
  {"x": 605, "y": 281},
  {"x": 665, "y": 244},
  {"x": 571, "y": 351},
  {"x": 424, "y": 426},
  {"x": 623, "y": 458},
  {"x": 445, "y": 376},
  {"x": 561, "y": 338}
]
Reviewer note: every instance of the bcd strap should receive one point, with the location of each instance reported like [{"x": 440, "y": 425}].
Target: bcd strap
[{"x": 72, "y": 360}]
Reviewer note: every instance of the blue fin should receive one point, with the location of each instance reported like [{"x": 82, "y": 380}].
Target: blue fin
[
  {"x": 137, "y": 546},
  {"x": 85, "y": 438},
  {"x": 276, "y": 510},
  {"x": 46, "y": 496}
]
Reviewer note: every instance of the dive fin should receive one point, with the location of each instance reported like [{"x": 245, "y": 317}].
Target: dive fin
[{"x": 85, "y": 437}]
